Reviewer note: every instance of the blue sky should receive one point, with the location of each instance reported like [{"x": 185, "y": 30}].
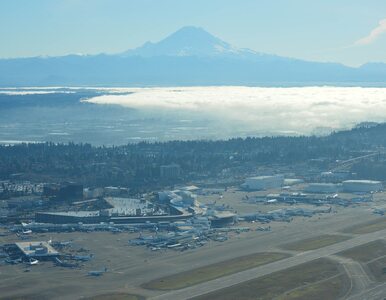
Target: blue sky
[{"x": 346, "y": 31}]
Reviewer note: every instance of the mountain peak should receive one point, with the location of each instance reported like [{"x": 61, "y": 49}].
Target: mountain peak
[
  {"x": 186, "y": 41},
  {"x": 192, "y": 32}
]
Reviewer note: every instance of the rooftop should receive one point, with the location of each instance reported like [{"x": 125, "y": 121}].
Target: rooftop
[
  {"x": 264, "y": 177},
  {"x": 362, "y": 181},
  {"x": 37, "y": 249},
  {"x": 74, "y": 213}
]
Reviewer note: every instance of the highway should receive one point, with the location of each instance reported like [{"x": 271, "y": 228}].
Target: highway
[{"x": 303, "y": 257}]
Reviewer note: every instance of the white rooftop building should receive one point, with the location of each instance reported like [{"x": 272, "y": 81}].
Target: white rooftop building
[{"x": 362, "y": 186}]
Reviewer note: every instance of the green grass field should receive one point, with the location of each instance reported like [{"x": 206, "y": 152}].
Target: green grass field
[
  {"x": 331, "y": 288},
  {"x": 315, "y": 242},
  {"x": 372, "y": 256},
  {"x": 214, "y": 271},
  {"x": 368, "y": 227},
  {"x": 319, "y": 279},
  {"x": 366, "y": 252},
  {"x": 116, "y": 296},
  {"x": 377, "y": 269}
]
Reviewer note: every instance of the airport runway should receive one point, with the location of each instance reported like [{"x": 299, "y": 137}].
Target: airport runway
[
  {"x": 130, "y": 267},
  {"x": 250, "y": 274},
  {"x": 170, "y": 262}
]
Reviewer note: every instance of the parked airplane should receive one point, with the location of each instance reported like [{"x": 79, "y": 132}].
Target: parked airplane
[
  {"x": 174, "y": 246},
  {"x": 379, "y": 211},
  {"x": 263, "y": 228},
  {"x": 60, "y": 244},
  {"x": 115, "y": 230},
  {"x": 13, "y": 261},
  {"x": 82, "y": 257},
  {"x": 97, "y": 273},
  {"x": 271, "y": 201},
  {"x": 32, "y": 261},
  {"x": 60, "y": 263}
]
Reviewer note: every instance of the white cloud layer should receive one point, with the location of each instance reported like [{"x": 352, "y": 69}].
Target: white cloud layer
[
  {"x": 262, "y": 110},
  {"x": 32, "y": 92},
  {"x": 374, "y": 34}
]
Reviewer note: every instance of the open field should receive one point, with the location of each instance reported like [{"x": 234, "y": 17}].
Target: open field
[
  {"x": 308, "y": 279},
  {"x": 213, "y": 271},
  {"x": 366, "y": 252},
  {"x": 326, "y": 289},
  {"x": 315, "y": 242},
  {"x": 375, "y": 225}
]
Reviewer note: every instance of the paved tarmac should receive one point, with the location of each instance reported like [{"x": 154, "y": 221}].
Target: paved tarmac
[
  {"x": 374, "y": 293},
  {"x": 130, "y": 267},
  {"x": 257, "y": 272}
]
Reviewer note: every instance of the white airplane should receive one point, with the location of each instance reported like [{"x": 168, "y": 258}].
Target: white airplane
[
  {"x": 272, "y": 201},
  {"x": 33, "y": 261}
]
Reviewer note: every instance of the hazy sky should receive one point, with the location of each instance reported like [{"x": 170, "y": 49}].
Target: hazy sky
[{"x": 348, "y": 31}]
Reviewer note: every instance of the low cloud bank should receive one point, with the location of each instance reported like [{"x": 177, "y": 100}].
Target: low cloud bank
[{"x": 302, "y": 110}]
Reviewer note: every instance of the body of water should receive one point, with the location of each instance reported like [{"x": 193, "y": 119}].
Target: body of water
[{"x": 123, "y": 115}]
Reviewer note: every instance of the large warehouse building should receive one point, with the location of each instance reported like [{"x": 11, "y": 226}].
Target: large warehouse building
[
  {"x": 323, "y": 188},
  {"x": 263, "y": 182},
  {"x": 361, "y": 186}
]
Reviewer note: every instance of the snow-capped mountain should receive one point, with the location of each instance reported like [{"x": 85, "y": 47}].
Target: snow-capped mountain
[
  {"x": 190, "y": 56},
  {"x": 188, "y": 41}
]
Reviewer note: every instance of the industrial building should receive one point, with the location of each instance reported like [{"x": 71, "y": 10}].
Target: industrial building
[
  {"x": 115, "y": 191},
  {"x": 292, "y": 181},
  {"x": 263, "y": 182},
  {"x": 36, "y": 249},
  {"x": 122, "y": 211},
  {"x": 323, "y": 188},
  {"x": 71, "y": 217},
  {"x": 222, "y": 218},
  {"x": 362, "y": 186},
  {"x": 336, "y": 176},
  {"x": 131, "y": 207},
  {"x": 89, "y": 193},
  {"x": 96, "y": 217}
]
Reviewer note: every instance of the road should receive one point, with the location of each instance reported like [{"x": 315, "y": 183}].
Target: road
[{"x": 250, "y": 274}]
